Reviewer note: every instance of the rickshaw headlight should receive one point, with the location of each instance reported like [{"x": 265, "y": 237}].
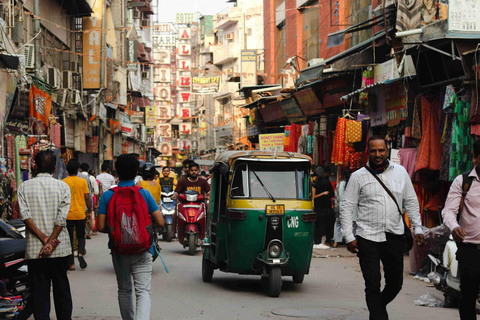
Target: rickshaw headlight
[{"x": 274, "y": 251}]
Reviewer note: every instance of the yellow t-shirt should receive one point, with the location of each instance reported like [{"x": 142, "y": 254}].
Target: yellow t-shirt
[
  {"x": 78, "y": 188},
  {"x": 156, "y": 191}
]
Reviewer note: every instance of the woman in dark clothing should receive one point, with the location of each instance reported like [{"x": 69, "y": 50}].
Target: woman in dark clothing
[{"x": 323, "y": 194}]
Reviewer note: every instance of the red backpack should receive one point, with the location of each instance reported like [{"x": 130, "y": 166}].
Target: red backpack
[{"x": 128, "y": 221}]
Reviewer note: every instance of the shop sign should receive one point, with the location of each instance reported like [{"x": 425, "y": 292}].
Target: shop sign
[
  {"x": 183, "y": 64},
  {"x": 162, "y": 75},
  {"x": 162, "y": 27},
  {"x": 308, "y": 101},
  {"x": 385, "y": 71},
  {"x": 184, "y": 49},
  {"x": 92, "y": 144},
  {"x": 162, "y": 93},
  {"x": 150, "y": 116},
  {"x": 127, "y": 129},
  {"x": 184, "y": 18},
  {"x": 252, "y": 130},
  {"x": 92, "y": 32},
  {"x": 248, "y": 68},
  {"x": 272, "y": 112},
  {"x": 166, "y": 40},
  {"x": 161, "y": 56},
  {"x": 184, "y": 144},
  {"x": 395, "y": 103},
  {"x": 165, "y": 148},
  {"x": 163, "y": 112},
  {"x": 185, "y": 81},
  {"x": 132, "y": 51},
  {"x": 205, "y": 84},
  {"x": 184, "y": 97},
  {"x": 185, "y": 113},
  {"x": 464, "y": 17},
  {"x": 271, "y": 141},
  {"x": 292, "y": 110},
  {"x": 17, "y": 125},
  {"x": 184, "y": 33},
  {"x": 185, "y": 128},
  {"x": 164, "y": 130}
]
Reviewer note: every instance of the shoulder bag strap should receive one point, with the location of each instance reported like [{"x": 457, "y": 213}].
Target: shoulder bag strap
[{"x": 385, "y": 187}]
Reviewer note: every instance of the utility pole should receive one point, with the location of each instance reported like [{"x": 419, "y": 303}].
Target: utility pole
[
  {"x": 37, "y": 43},
  {"x": 101, "y": 136}
]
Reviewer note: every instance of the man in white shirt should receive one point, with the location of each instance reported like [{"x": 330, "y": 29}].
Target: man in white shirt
[
  {"x": 105, "y": 178},
  {"x": 379, "y": 232}
]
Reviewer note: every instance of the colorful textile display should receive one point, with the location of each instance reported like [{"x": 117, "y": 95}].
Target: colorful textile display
[
  {"x": 340, "y": 155},
  {"x": 430, "y": 151},
  {"x": 461, "y": 155},
  {"x": 447, "y": 147},
  {"x": 353, "y": 131},
  {"x": 409, "y": 14}
]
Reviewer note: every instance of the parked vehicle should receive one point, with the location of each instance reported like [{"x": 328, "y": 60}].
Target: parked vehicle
[
  {"x": 261, "y": 217},
  {"x": 13, "y": 272},
  {"x": 191, "y": 220},
  {"x": 167, "y": 207}
]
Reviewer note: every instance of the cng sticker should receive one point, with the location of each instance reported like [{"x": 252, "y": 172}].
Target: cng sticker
[{"x": 293, "y": 223}]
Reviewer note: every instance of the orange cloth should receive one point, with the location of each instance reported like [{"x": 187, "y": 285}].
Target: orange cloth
[
  {"x": 430, "y": 151},
  {"x": 353, "y": 132},
  {"x": 40, "y": 104},
  {"x": 340, "y": 153}
]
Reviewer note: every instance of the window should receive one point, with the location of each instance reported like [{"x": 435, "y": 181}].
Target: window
[{"x": 239, "y": 188}]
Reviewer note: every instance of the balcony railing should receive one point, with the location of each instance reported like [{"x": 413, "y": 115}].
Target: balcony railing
[{"x": 226, "y": 54}]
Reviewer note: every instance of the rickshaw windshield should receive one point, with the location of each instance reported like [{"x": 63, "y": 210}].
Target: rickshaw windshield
[{"x": 282, "y": 180}]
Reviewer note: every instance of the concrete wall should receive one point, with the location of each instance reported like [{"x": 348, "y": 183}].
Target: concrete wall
[{"x": 51, "y": 11}]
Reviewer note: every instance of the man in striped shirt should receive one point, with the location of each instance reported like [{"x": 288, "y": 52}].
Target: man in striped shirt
[
  {"x": 105, "y": 178},
  {"x": 379, "y": 231}
]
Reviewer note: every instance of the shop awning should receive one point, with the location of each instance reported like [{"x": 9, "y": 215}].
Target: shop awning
[
  {"x": 141, "y": 53},
  {"x": 375, "y": 85},
  {"x": 258, "y": 87},
  {"x": 315, "y": 72},
  {"x": 273, "y": 112},
  {"x": 154, "y": 152}
]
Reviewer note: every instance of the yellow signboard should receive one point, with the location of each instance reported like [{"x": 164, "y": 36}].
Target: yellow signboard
[
  {"x": 92, "y": 28},
  {"x": 271, "y": 141},
  {"x": 150, "y": 116}
]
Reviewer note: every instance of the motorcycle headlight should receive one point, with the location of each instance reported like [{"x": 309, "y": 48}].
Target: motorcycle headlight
[
  {"x": 192, "y": 197},
  {"x": 275, "y": 250}
]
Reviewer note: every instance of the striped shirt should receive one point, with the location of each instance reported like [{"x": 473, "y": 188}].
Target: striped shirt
[
  {"x": 46, "y": 201},
  {"x": 376, "y": 210},
  {"x": 107, "y": 180}
]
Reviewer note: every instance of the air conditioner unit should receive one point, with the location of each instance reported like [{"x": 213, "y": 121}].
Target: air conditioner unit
[
  {"x": 136, "y": 14},
  {"x": 74, "y": 66},
  {"x": 145, "y": 75},
  {"x": 145, "y": 22},
  {"x": 229, "y": 71},
  {"x": 67, "y": 79},
  {"x": 314, "y": 61},
  {"x": 53, "y": 78},
  {"x": 229, "y": 36},
  {"x": 74, "y": 97},
  {"x": 62, "y": 95},
  {"x": 29, "y": 52}
]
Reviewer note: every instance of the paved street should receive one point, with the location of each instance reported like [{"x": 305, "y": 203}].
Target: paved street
[{"x": 333, "y": 290}]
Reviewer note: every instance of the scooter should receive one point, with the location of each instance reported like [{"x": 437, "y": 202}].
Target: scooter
[
  {"x": 15, "y": 295},
  {"x": 167, "y": 207},
  {"x": 191, "y": 220}
]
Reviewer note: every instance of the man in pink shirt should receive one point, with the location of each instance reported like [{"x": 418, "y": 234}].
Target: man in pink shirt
[{"x": 466, "y": 232}]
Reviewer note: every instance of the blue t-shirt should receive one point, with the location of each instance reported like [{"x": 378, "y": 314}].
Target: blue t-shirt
[{"x": 107, "y": 196}]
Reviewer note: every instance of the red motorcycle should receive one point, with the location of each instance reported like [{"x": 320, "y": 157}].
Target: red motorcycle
[{"x": 191, "y": 220}]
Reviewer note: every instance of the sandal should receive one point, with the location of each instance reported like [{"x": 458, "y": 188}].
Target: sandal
[
  {"x": 71, "y": 268},
  {"x": 83, "y": 263}
]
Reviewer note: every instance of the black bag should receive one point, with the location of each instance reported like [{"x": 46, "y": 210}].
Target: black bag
[{"x": 406, "y": 230}]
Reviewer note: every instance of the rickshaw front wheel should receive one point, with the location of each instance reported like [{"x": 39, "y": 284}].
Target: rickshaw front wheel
[
  {"x": 207, "y": 270},
  {"x": 275, "y": 282},
  {"x": 298, "y": 278}
]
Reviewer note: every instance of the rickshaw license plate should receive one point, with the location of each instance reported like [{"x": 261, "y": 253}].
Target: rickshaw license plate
[{"x": 275, "y": 209}]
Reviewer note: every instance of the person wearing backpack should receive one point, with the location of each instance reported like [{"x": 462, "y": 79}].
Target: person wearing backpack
[
  {"x": 461, "y": 215},
  {"x": 129, "y": 215}
]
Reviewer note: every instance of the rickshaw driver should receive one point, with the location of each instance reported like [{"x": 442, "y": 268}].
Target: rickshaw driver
[{"x": 192, "y": 182}]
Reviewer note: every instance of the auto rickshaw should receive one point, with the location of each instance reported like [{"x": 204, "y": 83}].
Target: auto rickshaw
[{"x": 261, "y": 217}]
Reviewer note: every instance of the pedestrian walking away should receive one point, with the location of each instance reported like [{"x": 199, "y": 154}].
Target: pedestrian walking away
[
  {"x": 322, "y": 195},
  {"x": 80, "y": 211},
  {"x": 105, "y": 178},
  {"x": 379, "y": 226},
  {"x": 123, "y": 203},
  {"x": 339, "y": 194},
  {"x": 44, "y": 205},
  {"x": 462, "y": 216}
]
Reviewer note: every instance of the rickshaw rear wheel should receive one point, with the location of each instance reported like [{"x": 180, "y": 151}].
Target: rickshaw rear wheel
[
  {"x": 207, "y": 270},
  {"x": 191, "y": 244},
  {"x": 298, "y": 278},
  {"x": 275, "y": 282}
]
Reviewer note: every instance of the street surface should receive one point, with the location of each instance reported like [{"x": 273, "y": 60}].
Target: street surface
[{"x": 333, "y": 290}]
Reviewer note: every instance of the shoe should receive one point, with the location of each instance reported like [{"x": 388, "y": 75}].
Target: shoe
[
  {"x": 71, "y": 268},
  {"x": 83, "y": 263},
  {"x": 320, "y": 246},
  {"x": 88, "y": 236}
]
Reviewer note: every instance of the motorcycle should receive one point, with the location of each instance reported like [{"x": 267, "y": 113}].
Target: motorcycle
[
  {"x": 191, "y": 220},
  {"x": 14, "y": 285},
  {"x": 167, "y": 208}
]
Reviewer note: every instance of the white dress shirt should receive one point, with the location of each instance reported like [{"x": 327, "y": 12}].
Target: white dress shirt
[
  {"x": 376, "y": 210},
  {"x": 107, "y": 180}
]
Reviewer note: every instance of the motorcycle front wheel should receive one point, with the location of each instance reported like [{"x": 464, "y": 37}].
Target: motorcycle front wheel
[
  {"x": 192, "y": 247},
  {"x": 169, "y": 232}
]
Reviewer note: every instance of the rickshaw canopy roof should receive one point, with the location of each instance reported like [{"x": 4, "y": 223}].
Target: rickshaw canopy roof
[{"x": 229, "y": 156}]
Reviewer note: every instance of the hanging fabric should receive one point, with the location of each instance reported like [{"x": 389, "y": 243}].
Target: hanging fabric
[
  {"x": 353, "y": 132},
  {"x": 409, "y": 15}
]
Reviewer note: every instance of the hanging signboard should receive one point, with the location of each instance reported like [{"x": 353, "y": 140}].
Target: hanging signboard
[
  {"x": 127, "y": 129},
  {"x": 150, "y": 116},
  {"x": 464, "y": 17},
  {"x": 184, "y": 49},
  {"x": 205, "y": 84},
  {"x": 183, "y": 64},
  {"x": 165, "y": 148},
  {"x": 162, "y": 56},
  {"x": 92, "y": 144},
  {"x": 163, "y": 112},
  {"x": 184, "y": 145},
  {"x": 271, "y": 142},
  {"x": 395, "y": 103},
  {"x": 185, "y": 128},
  {"x": 162, "y": 27},
  {"x": 184, "y": 97},
  {"x": 185, "y": 113},
  {"x": 162, "y": 93},
  {"x": 248, "y": 66},
  {"x": 162, "y": 75},
  {"x": 185, "y": 81},
  {"x": 166, "y": 40},
  {"x": 132, "y": 49},
  {"x": 80, "y": 138},
  {"x": 164, "y": 130},
  {"x": 184, "y": 18},
  {"x": 92, "y": 31},
  {"x": 292, "y": 110},
  {"x": 184, "y": 33}
]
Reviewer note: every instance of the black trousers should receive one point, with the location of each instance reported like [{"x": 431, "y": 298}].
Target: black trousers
[
  {"x": 324, "y": 225},
  {"x": 46, "y": 272},
  {"x": 390, "y": 253},
  {"x": 468, "y": 257},
  {"x": 79, "y": 227}
]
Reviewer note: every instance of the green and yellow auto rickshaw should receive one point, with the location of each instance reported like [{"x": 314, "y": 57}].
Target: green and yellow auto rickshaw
[{"x": 261, "y": 217}]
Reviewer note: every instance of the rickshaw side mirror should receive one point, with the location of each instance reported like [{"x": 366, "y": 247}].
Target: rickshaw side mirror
[
  {"x": 319, "y": 171},
  {"x": 223, "y": 169}
]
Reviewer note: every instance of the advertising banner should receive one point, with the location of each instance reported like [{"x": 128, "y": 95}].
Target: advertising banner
[
  {"x": 92, "y": 30},
  {"x": 127, "y": 129},
  {"x": 132, "y": 49},
  {"x": 248, "y": 68},
  {"x": 150, "y": 116},
  {"x": 271, "y": 142},
  {"x": 205, "y": 84}
]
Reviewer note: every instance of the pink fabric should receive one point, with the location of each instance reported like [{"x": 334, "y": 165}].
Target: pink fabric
[{"x": 408, "y": 158}]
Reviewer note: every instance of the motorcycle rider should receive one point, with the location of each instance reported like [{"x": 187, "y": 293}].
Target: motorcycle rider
[
  {"x": 167, "y": 180},
  {"x": 192, "y": 182}
]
